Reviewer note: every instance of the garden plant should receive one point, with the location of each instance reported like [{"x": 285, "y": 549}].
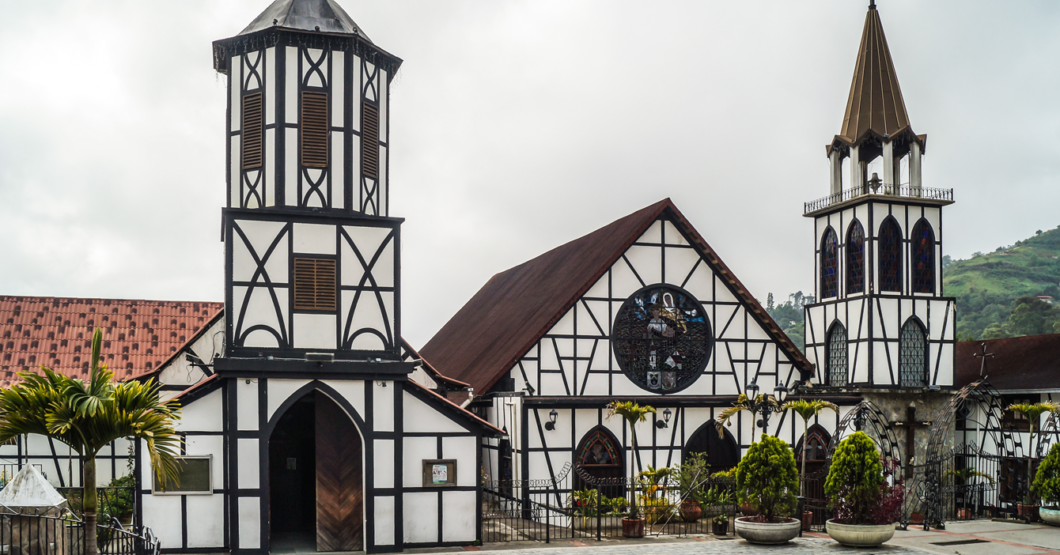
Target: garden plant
[
  {"x": 633, "y": 414},
  {"x": 1033, "y": 413},
  {"x": 1047, "y": 482},
  {"x": 767, "y": 478}
]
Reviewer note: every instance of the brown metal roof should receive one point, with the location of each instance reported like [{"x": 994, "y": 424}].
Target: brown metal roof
[
  {"x": 516, "y": 307},
  {"x": 875, "y": 103},
  {"x": 1019, "y": 363},
  {"x": 138, "y": 335}
]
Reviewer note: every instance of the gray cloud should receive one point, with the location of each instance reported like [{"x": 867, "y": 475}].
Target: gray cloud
[{"x": 517, "y": 126}]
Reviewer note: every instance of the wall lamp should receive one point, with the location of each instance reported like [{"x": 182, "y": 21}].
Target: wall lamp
[
  {"x": 664, "y": 423},
  {"x": 552, "y": 416}
]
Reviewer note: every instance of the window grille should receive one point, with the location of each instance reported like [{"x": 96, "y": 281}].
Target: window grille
[
  {"x": 315, "y": 284},
  {"x": 252, "y": 130},
  {"x": 314, "y": 129},
  {"x": 837, "y": 356},
  {"x": 912, "y": 356}
]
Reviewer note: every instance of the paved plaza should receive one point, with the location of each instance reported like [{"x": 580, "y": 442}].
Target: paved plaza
[{"x": 981, "y": 537}]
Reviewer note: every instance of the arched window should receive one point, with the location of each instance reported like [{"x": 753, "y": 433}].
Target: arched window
[
  {"x": 722, "y": 452},
  {"x": 912, "y": 355},
  {"x": 889, "y": 243},
  {"x": 837, "y": 356},
  {"x": 599, "y": 456},
  {"x": 829, "y": 264},
  {"x": 922, "y": 257},
  {"x": 816, "y": 445},
  {"x": 855, "y": 258}
]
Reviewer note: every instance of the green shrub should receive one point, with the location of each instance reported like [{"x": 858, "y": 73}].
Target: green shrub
[
  {"x": 1047, "y": 482},
  {"x": 767, "y": 479},
  {"x": 854, "y": 480}
]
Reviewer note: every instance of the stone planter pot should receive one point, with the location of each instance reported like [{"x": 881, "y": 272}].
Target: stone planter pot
[
  {"x": 691, "y": 511},
  {"x": 859, "y": 535},
  {"x": 583, "y": 523},
  {"x": 768, "y": 533},
  {"x": 633, "y": 528},
  {"x": 1050, "y": 516}
]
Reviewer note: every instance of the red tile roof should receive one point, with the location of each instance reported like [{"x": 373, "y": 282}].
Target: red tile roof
[
  {"x": 511, "y": 312},
  {"x": 1019, "y": 363},
  {"x": 138, "y": 335}
]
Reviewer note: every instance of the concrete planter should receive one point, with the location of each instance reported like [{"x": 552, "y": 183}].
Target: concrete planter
[
  {"x": 768, "y": 533},
  {"x": 859, "y": 535},
  {"x": 1050, "y": 516}
]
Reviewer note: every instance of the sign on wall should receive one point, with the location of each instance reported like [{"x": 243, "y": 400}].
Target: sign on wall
[{"x": 439, "y": 473}]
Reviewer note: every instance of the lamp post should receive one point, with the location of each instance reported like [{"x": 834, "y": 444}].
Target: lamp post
[{"x": 765, "y": 405}]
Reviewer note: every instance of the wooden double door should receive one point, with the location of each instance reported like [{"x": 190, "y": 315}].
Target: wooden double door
[{"x": 316, "y": 476}]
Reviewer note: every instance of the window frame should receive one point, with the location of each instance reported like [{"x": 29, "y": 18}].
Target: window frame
[
  {"x": 295, "y": 258},
  {"x": 209, "y": 466},
  {"x": 829, "y": 233}
]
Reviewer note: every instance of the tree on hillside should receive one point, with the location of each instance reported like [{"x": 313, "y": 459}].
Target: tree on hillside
[
  {"x": 1029, "y": 316},
  {"x": 789, "y": 317}
]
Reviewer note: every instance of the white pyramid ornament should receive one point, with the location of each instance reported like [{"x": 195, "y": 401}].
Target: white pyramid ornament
[{"x": 30, "y": 493}]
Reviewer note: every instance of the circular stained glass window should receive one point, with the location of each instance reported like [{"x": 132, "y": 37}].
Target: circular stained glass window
[{"x": 662, "y": 338}]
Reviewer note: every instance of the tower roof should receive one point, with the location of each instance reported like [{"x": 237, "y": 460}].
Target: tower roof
[
  {"x": 322, "y": 16},
  {"x": 875, "y": 103}
]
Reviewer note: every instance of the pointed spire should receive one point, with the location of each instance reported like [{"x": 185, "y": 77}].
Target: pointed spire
[
  {"x": 323, "y": 16},
  {"x": 875, "y": 102}
]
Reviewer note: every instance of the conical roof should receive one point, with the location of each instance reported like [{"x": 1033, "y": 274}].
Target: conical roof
[
  {"x": 875, "y": 102},
  {"x": 323, "y": 16},
  {"x": 29, "y": 491}
]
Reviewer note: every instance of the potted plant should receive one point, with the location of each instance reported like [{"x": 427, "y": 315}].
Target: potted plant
[
  {"x": 1047, "y": 486},
  {"x": 582, "y": 505},
  {"x": 633, "y": 414},
  {"x": 720, "y": 525},
  {"x": 691, "y": 475},
  {"x": 866, "y": 506},
  {"x": 766, "y": 481},
  {"x": 1033, "y": 413},
  {"x": 716, "y": 500},
  {"x": 807, "y": 409},
  {"x": 657, "y": 506}
]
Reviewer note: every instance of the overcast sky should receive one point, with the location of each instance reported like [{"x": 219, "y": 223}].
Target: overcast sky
[{"x": 517, "y": 126}]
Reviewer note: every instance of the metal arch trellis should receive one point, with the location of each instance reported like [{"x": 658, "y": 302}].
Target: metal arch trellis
[
  {"x": 980, "y": 406},
  {"x": 867, "y": 417}
]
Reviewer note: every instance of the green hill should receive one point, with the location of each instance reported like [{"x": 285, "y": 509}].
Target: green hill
[{"x": 987, "y": 285}]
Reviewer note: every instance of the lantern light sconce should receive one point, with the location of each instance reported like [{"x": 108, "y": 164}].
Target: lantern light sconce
[
  {"x": 664, "y": 423},
  {"x": 552, "y": 416}
]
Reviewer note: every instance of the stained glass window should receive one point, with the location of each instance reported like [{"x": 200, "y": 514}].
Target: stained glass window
[
  {"x": 599, "y": 450},
  {"x": 837, "y": 356},
  {"x": 922, "y": 257},
  {"x": 856, "y": 258},
  {"x": 662, "y": 338},
  {"x": 890, "y": 253},
  {"x": 829, "y": 264},
  {"x": 912, "y": 355}
]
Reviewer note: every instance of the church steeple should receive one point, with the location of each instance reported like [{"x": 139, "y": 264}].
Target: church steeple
[{"x": 875, "y": 122}]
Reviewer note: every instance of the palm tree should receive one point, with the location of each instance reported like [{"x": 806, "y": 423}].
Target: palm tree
[
  {"x": 1032, "y": 412},
  {"x": 88, "y": 416},
  {"x": 807, "y": 409},
  {"x": 633, "y": 414}
]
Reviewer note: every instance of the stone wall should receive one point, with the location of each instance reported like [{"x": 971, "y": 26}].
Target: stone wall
[{"x": 894, "y": 405}]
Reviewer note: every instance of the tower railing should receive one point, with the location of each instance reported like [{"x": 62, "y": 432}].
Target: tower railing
[{"x": 903, "y": 191}]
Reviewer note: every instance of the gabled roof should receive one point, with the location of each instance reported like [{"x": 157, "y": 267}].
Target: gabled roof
[
  {"x": 429, "y": 369},
  {"x": 322, "y": 16},
  {"x": 1024, "y": 363},
  {"x": 138, "y": 335},
  {"x": 515, "y": 308},
  {"x": 875, "y": 105}
]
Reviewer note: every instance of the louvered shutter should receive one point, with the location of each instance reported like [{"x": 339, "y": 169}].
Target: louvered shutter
[
  {"x": 314, "y": 128},
  {"x": 315, "y": 284},
  {"x": 253, "y": 126},
  {"x": 370, "y": 140}
]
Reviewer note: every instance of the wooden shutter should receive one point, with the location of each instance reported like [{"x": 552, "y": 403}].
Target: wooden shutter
[
  {"x": 315, "y": 284},
  {"x": 370, "y": 140},
  {"x": 253, "y": 126},
  {"x": 314, "y": 128}
]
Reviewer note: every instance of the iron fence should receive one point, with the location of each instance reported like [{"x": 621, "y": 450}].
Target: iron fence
[
  {"x": 28, "y": 534},
  {"x": 117, "y": 503},
  {"x": 548, "y": 510}
]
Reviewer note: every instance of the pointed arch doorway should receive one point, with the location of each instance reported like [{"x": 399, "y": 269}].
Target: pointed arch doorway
[
  {"x": 722, "y": 451},
  {"x": 316, "y": 491}
]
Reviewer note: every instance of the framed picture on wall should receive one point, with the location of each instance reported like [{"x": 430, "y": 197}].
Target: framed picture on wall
[{"x": 439, "y": 473}]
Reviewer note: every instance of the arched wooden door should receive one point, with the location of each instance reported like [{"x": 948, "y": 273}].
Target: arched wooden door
[
  {"x": 600, "y": 456},
  {"x": 722, "y": 451},
  {"x": 816, "y": 453}
]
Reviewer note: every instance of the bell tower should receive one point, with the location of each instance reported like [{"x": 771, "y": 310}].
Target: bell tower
[
  {"x": 880, "y": 319},
  {"x": 312, "y": 256}
]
